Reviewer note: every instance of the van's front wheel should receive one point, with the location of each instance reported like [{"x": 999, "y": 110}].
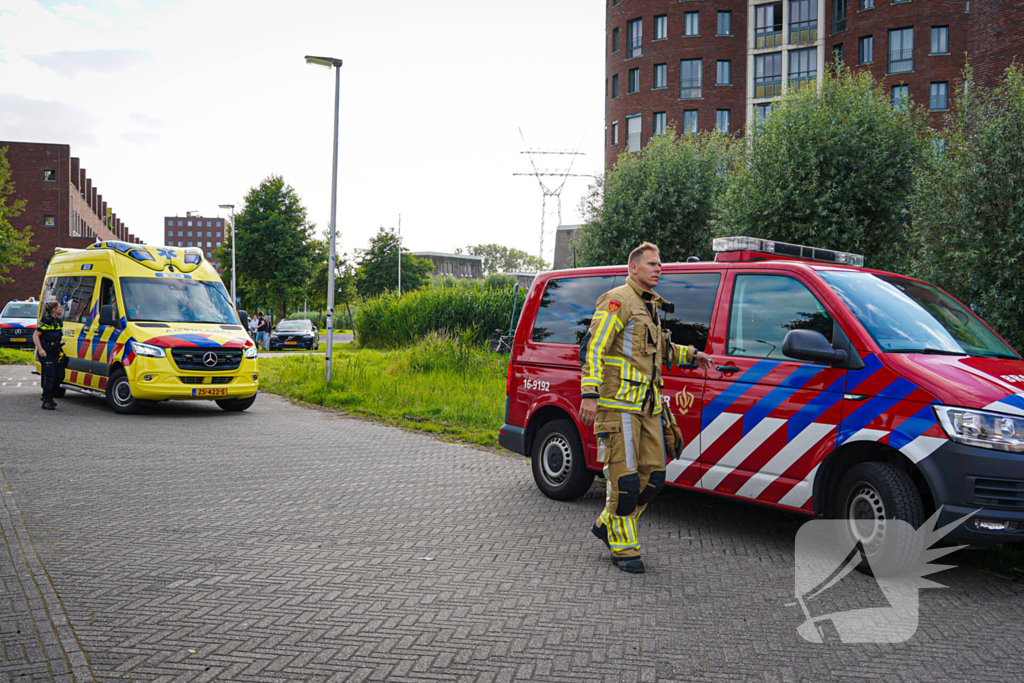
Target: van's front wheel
[
  {"x": 559, "y": 467},
  {"x": 119, "y": 394}
]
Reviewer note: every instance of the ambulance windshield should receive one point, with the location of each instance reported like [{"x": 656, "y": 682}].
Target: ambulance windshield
[
  {"x": 173, "y": 300},
  {"x": 906, "y": 316}
]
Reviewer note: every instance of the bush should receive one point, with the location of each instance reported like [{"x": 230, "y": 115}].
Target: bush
[
  {"x": 499, "y": 281},
  {"x": 391, "y": 321},
  {"x": 440, "y": 352}
]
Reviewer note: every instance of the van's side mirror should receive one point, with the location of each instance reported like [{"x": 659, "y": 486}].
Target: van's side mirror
[
  {"x": 811, "y": 346},
  {"x": 107, "y": 316},
  {"x": 243, "y": 317}
]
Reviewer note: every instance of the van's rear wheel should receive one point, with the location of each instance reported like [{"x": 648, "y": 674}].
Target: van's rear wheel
[
  {"x": 236, "y": 405},
  {"x": 559, "y": 467},
  {"x": 119, "y": 394},
  {"x": 871, "y": 497}
]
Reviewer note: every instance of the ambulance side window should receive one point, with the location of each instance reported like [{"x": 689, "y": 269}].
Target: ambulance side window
[
  {"x": 74, "y": 295},
  {"x": 108, "y": 297},
  {"x": 693, "y": 295},
  {"x": 567, "y": 307},
  {"x": 765, "y": 308}
]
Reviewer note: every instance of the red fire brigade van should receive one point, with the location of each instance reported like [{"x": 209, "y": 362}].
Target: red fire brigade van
[{"x": 837, "y": 391}]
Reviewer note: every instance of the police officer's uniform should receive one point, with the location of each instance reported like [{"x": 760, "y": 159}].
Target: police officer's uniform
[
  {"x": 621, "y": 356},
  {"x": 52, "y": 365}
]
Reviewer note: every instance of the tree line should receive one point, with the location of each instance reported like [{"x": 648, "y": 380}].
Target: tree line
[{"x": 841, "y": 167}]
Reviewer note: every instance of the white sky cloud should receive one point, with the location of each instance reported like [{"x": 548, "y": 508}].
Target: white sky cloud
[{"x": 215, "y": 96}]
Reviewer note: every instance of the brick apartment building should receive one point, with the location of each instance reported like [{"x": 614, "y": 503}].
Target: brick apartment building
[
  {"x": 716, "y": 64},
  {"x": 191, "y": 230},
  {"x": 63, "y": 207}
]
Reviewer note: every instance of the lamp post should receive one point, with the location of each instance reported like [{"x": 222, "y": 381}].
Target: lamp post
[
  {"x": 234, "y": 275},
  {"x": 331, "y": 62}
]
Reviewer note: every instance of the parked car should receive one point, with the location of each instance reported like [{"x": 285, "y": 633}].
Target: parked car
[
  {"x": 18, "y": 323},
  {"x": 295, "y": 333}
]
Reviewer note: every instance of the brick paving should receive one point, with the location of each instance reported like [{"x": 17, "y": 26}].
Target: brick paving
[{"x": 293, "y": 544}]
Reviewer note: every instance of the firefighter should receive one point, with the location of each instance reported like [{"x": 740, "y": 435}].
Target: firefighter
[
  {"x": 621, "y": 356},
  {"x": 49, "y": 342}
]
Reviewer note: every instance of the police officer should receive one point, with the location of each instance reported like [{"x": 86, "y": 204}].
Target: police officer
[
  {"x": 49, "y": 342},
  {"x": 621, "y": 356}
]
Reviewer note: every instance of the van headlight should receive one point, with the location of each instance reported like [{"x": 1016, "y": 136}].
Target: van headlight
[
  {"x": 251, "y": 351},
  {"x": 148, "y": 350},
  {"x": 982, "y": 428}
]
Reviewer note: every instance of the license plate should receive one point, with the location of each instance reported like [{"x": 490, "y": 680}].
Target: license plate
[
  {"x": 209, "y": 392},
  {"x": 290, "y": 343},
  {"x": 19, "y": 339}
]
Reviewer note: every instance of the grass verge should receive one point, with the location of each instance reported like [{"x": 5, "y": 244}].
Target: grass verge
[
  {"x": 14, "y": 356},
  {"x": 439, "y": 386}
]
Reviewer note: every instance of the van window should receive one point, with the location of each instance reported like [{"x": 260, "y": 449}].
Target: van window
[
  {"x": 73, "y": 293},
  {"x": 693, "y": 295},
  {"x": 567, "y": 307},
  {"x": 108, "y": 297},
  {"x": 765, "y": 308}
]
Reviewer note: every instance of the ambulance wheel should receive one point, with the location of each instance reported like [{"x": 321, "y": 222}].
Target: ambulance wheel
[
  {"x": 59, "y": 392},
  {"x": 559, "y": 467},
  {"x": 119, "y": 395},
  {"x": 872, "y": 498},
  {"x": 236, "y": 405}
]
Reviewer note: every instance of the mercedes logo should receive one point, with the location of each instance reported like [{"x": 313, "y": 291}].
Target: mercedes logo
[{"x": 209, "y": 359}]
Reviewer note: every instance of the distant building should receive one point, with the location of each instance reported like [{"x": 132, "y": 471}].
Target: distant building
[
  {"x": 63, "y": 208},
  {"x": 195, "y": 231},
  {"x": 565, "y": 250},
  {"x": 456, "y": 265},
  {"x": 524, "y": 279}
]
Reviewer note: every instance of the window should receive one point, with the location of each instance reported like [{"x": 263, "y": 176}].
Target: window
[
  {"x": 690, "y": 79},
  {"x": 108, "y": 296},
  {"x": 170, "y": 222},
  {"x": 567, "y": 306},
  {"x": 189, "y": 223},
  {"x": 179, "y": 225},
  {"x": 691, "y": 25},
  {"x": 901, "y": 50},
  {"x": 636, "y": 31},
  {"x": 937, "y": 98},
  {"x": 218, "y": 224},
  {"x": 768, "y": 75},
  {"x": 689, "y": 121},
  {"x": 661, "y": 27},
  {"x": 615, "y": 139},
  {"x": 867, "y": 48},
  {"x": 837, "y": 52},
  {"x": 763, "y": 111},
  {"x": 900, "y": 97},
  {"x": 839, "y": 16},
  {"x": 179, "y": 233},
  {"x": 722, "y": 122},
  {"x": 694, "y": 296},
  {"x": 659, "y": 122},
  {"x": 218, "y": 233},
  {"x": 615, "y": 40},
  {"x": 208, "y": 245},
  {"x": 208, "y": 224},
  {"x": 208, "y": 254},
  {"x": 189, "y": 244},
  {"x": 218, "y": 246},
  {"x": 803, "y": 21},
  {"x": 633, "y": 133},
  {"x": 660, "y": 76},
  {"x": 867, "y": 4},
  {"x": 940, "y": 40},
  {"x": 49, "y": 220},
  {"x": 803, "y": 67},
  {"x": 50, "y": 175},
  {"x": 765, "y": 308},
  {"x": 634, "y": 80},
  {"x": 73, "y": 293},
  {"x": 180, "y": 244},
  {"x": 189, "y": 233},
  {"x": 768, "y": 25},
  {"x": 939, "y": 146},
  {"x": 725, "y": 23},
  {"x": 615, "y": 86},
  {"x": 724, "y": 72}
]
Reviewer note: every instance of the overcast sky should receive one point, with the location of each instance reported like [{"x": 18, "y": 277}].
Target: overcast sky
[{"x": 178, "y": 106}]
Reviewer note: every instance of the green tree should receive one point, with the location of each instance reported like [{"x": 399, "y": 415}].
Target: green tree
[
  {"x": 377, "y": 270},
  {"x": 665, "y": 194},
  {"x": 831, "y": 167},
  {"x": 501, "y": 259},
  {"x": 968, "y": 207},
  {"x": 344, "y": 281},
  {"x": 14, "y": 244},
  {"x": 275, "y": 248}
]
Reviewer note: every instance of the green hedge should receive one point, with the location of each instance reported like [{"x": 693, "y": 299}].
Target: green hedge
[{"x": 391, "y": 321}]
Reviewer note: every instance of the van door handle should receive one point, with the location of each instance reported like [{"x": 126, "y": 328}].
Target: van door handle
[{"x": 727, "y": 368}]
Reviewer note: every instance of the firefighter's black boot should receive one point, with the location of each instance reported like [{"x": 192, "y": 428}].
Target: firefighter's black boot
[
  {"x": 632, "y": 565},
  {"x": 601, "y": 532}
]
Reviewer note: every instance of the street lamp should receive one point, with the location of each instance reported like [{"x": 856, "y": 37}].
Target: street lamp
[
  {"x": 330, "y": 62},
  {"x": 234, "y": 275}
]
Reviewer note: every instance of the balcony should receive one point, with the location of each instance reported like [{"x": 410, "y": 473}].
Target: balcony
[{"x": 901, "y": 61}]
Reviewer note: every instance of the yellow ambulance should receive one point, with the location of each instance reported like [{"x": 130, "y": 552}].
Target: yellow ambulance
[{"x": 144, "y": 324}]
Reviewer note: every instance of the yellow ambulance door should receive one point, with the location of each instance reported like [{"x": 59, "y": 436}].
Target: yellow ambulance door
[
  {"x": 106, "y": 339},
  {"x": 75, "y": 293}
]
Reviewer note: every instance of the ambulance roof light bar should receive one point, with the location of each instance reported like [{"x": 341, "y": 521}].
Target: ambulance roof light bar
[{"x": 755, "y": 244}]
